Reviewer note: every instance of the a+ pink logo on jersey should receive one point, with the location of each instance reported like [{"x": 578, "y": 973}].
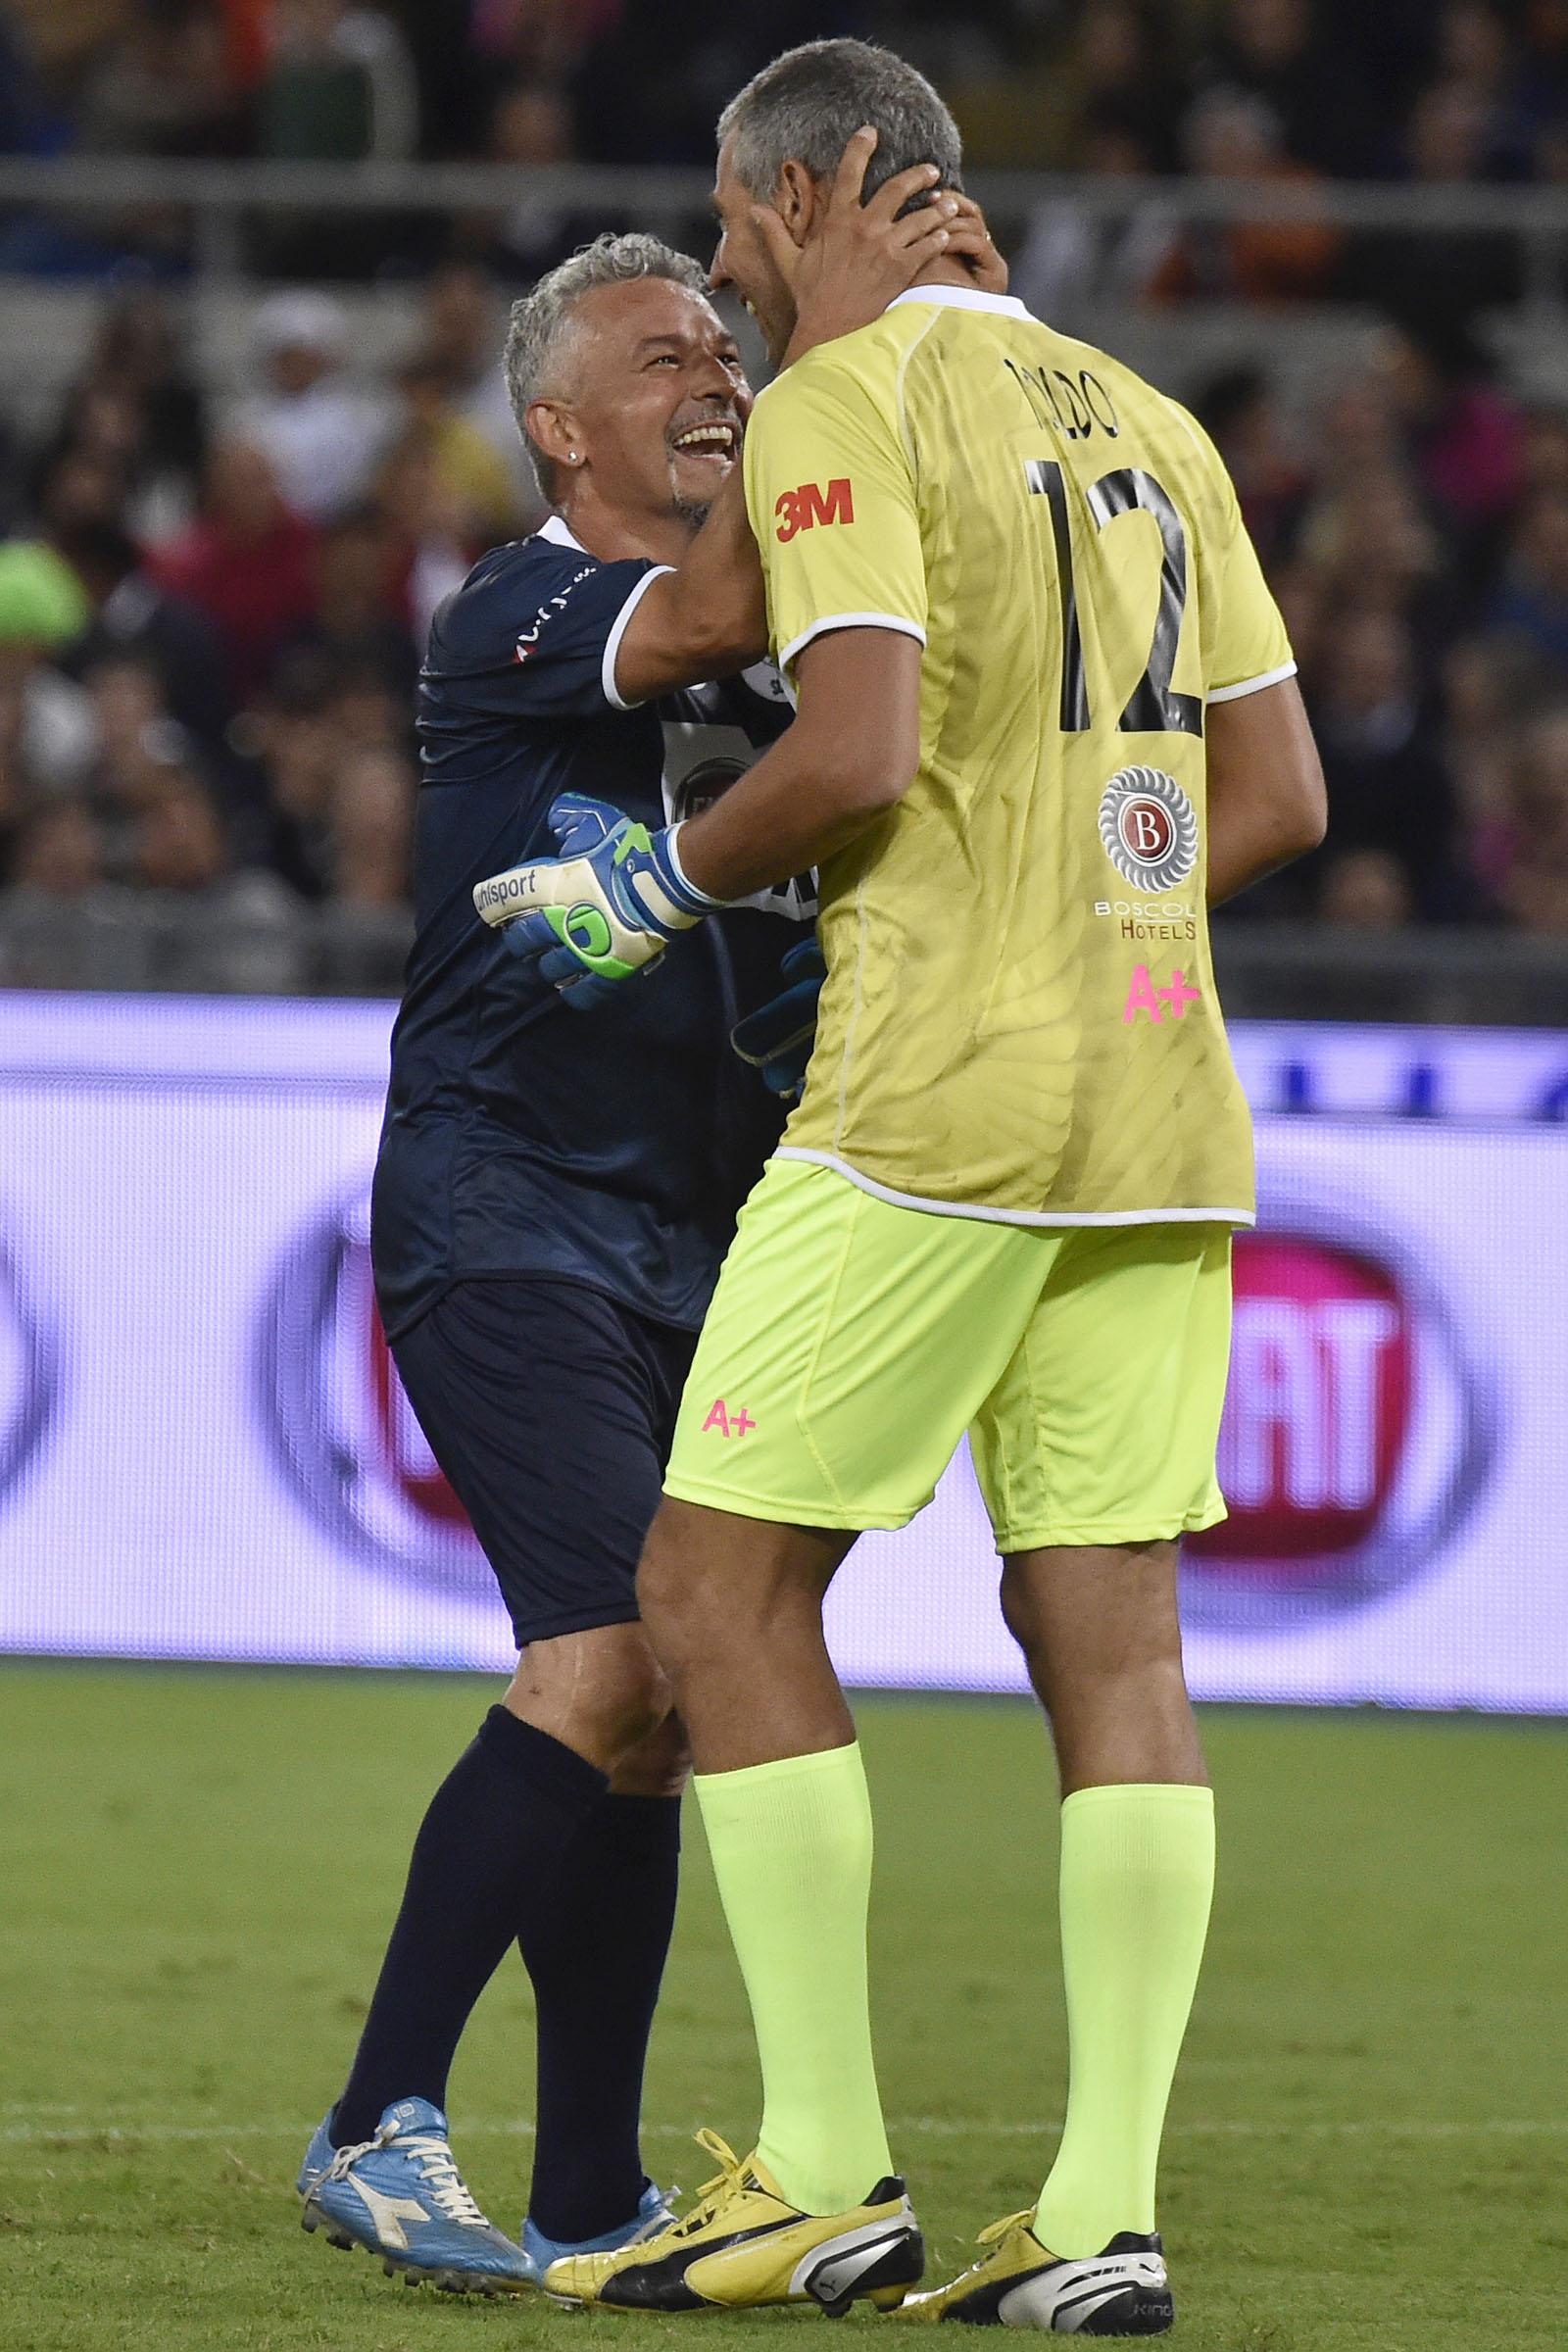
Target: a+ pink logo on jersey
[
  {"x": 1144, "y": 997},
  {"x": 727, "y": 1424}
]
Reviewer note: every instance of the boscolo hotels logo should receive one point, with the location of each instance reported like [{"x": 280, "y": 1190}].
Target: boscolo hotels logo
[{"x": 1359, "y": 1432}]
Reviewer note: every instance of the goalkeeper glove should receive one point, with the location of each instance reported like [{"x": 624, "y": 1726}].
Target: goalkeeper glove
[
  {"x": 602, "y": 910},
  {"x": 777, "y": 1037}
]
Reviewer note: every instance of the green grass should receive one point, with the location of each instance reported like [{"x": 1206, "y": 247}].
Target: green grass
[{"x": 1368, "y": 2134}]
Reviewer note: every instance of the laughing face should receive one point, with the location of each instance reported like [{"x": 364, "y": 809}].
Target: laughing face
[
  {"x": 654, "y": 400},
  {"x": 742, "y": 260}
]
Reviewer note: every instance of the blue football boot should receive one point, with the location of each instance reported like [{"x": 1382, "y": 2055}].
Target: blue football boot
[
  {"x": 401, "y": 2196},
  {"x": 653, "y": 2213}
]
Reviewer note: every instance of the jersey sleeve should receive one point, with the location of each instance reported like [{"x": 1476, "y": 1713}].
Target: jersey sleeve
[
  {"x": 832, "y": 505},
  {"x": 1247, "y": 647},
  {"x": 538, "y": 637}
]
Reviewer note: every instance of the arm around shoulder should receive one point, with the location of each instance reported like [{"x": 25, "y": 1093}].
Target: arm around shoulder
[{"x": 704, "y": 619}]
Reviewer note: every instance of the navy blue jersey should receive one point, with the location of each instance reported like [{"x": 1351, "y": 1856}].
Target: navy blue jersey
[{"x": 612, "y": 1146}]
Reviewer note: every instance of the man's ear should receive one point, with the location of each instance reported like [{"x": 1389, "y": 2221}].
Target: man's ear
[
  {"x": 554, "y": 427},
  {"x": 796, "y": 200}
]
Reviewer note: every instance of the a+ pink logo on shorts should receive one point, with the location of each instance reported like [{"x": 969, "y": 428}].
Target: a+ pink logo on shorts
[{"x": 727, "y": 1424}]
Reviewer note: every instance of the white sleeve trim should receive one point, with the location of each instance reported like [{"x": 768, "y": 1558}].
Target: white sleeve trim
[
  {"x": 848, "y": 620},
  {"x": 704, "y": 898},
  {"x": 607, "y": 674},
  {"x": 1234, "y": 694}
]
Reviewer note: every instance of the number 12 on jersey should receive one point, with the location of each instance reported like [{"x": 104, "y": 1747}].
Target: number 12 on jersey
[{"x": 1155, "y": 706}]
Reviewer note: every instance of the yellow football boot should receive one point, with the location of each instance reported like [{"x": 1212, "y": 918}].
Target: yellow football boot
[
  {"x": 1019, "y": 2283},
  {"x": 744, "y": 2244}
]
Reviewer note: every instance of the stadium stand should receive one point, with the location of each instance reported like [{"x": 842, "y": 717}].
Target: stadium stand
[{"x": 252, "y": 427}]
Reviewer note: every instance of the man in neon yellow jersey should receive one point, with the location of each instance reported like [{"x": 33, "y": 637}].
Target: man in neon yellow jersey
[{"x": 1047, "y": 714}]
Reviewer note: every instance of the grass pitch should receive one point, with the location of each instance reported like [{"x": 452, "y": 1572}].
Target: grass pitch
[{"x": 1367, "y": 2138}]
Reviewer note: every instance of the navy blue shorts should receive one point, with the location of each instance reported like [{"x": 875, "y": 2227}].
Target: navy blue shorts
[{"x": 550, "y": 1409}]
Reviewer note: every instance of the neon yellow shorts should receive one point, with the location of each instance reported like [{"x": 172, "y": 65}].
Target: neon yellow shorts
[{"x": 851, "y": 1343}]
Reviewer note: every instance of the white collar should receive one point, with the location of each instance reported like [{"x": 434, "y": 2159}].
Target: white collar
[
  {"x": 554, "y": 530},
  {"x": 963, "y": 298}
]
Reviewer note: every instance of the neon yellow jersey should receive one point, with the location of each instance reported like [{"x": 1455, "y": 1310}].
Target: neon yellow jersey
[{"x": 1019, "y": 1019}]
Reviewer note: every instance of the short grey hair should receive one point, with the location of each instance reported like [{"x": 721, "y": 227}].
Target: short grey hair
[
  {"x": 541, "y": 322},
  {"x": 808, "y": 105}
]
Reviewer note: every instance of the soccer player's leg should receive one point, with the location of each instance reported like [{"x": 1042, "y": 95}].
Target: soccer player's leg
[
  {"x": 549, "y": 1408},
  {"x": 1096, "y": 1452},
  {"x": 849, "y": 1344}
]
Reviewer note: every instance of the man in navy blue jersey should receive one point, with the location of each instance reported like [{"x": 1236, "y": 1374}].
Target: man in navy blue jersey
[{"x": 552, "y": 1201}]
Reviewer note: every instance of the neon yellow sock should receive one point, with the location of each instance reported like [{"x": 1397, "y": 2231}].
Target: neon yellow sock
[
  {"x": 1137, "y": 1877},
  {"x": 791, "y": 1852}
]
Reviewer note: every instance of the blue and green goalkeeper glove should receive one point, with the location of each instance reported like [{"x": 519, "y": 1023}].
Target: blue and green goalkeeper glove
[
  {"x": 604, "y": 911},
  {"x": 777, "y": 1037}
]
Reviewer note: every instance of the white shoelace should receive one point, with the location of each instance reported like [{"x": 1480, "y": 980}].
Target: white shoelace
[
  {"x": 447, "y": 2186},
  {"x": 437, "y": 2167}
]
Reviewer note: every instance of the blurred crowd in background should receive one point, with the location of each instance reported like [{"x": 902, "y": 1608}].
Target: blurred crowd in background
[
  {"x": 1440, "y": 90},
  {"x": 211, "y": 609}
]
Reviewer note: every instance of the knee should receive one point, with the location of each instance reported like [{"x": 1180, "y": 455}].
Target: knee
[
  {"x": 634, "y": 1699},
  {"x": 659, "y": 1765},
  {"x": 601, "y": 1692}
]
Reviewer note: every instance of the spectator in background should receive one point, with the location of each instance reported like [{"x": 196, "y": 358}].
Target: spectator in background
[
  {"x": 1117, "y": 64},
  {"x": 71, "y": 487},
  {"x": 359, "y": 623},
  {"x": 163, "y": 86},
  {"x": 1534, "y": 889},
  {"x": 1229, "y": 136},
  {"x": 371, "y": 829},
  {"x": 1464, "y": 435},
  {"x": 290, "y": 753},
  {"x": 1372, "y": 542},
  {"x": 137, "y": 350},
  {"x": 138, "y": 747},
  {"x": 1272, "y": 51},
  {"x": 1388, "y": 787},
  {"x": 1366, "y": 889},
  {"x": 464, "y": 326},
  {"x": 1070, "y": 261},
  {"x": 1546, "y": 445},
  {"x": 341, "y": 86},
  {"x": 248, "y": 562},
  {"x": 1442, "y": 279},
  {"x": 322, "y": 434},
  {"x": 530, "y": 130},
  {"x": 473, "y": 480},
  {"x": 28, "y": 125},
  {"x": 179, "y": 849},
  {"x": 1475, "y": 50},
  {"x": 433, "y": 553},
  {"x": 1486, "y": 685},
  {"x": 132, "y": 615},
  {"x": 1531, "y": 602},
  {"x": 57, "y": 853},
  {"x": 1240, "y": 414},
  {"x": 47, "y": 736}
]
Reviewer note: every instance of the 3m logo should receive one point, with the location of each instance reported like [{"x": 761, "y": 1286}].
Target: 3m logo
[{"x": 800, "y": 509}]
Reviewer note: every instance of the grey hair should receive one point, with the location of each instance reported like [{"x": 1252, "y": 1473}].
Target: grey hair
[
  {"x": 807, "y": 105},
  {"x": 542, "y": 319}
]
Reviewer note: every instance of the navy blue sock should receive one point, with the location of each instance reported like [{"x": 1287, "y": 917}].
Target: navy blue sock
[
  {"x": 488, "y": 1855},
  {"x": 596, "y": 1954}
]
